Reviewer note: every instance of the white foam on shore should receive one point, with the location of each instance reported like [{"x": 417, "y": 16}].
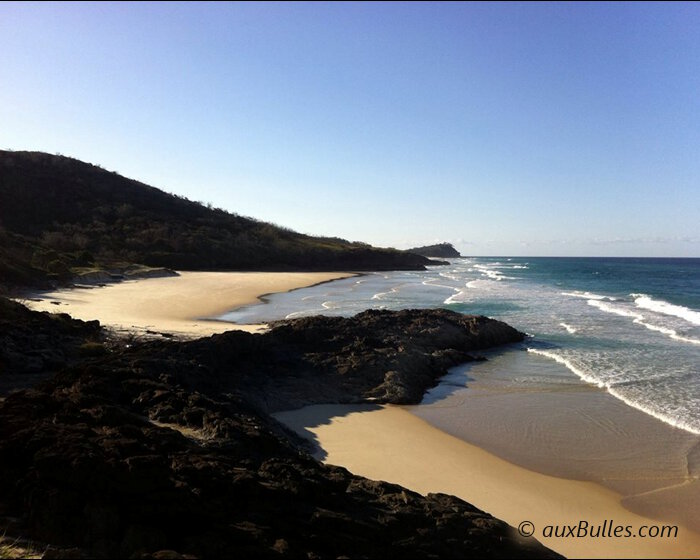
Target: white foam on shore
[
  {"x": 563, "y": 361},
  {"x": 658, "y": 415},
  {"x": 665, "y": 308},
  {"x": 638, "y": 318},
  {"x": 677, "y": 423},
  {"x": 569, "y": 328}
]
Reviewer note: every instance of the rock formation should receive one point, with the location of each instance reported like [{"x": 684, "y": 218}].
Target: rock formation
[{"x": 168, "y": 446}]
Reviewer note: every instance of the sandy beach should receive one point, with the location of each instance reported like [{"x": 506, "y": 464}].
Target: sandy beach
[
  {"x": 389, "y": 443},
  {"x": 185, "y": 305},
  {"x": 393, "y": 444}
]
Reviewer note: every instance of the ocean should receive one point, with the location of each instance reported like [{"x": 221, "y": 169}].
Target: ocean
[{"x": 628, "y": 326}]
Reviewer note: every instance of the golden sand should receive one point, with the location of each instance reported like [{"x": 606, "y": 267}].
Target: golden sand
[
  {"x": 389, "y": 443},
  {"x": 183, "y": 305}
]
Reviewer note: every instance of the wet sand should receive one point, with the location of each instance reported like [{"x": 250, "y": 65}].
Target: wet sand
[
  {"x": 390, "y": 443},
  {"x": 535, "y": 413}
]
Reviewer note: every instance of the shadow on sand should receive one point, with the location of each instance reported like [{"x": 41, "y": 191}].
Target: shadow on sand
[{"x": 303, "y": 420}]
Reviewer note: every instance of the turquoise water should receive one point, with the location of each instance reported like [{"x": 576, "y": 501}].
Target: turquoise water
[{"x": 630, "y": 326}]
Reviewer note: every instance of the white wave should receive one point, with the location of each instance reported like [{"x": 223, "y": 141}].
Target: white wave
[
  {"x": 459, "y": 297},
  {"x": 617, "y": 394},
  {"x": 580, "y": 373},
  {"x": 433, "y": 283},
  {"x": 492, "y": 273},
  {"x": 675, "y": 422},
  {"x": 381, "y": 295},
  {"x": 330, "y": 305},
  {"x": 670, "y": 332},
  {"x": 509, "y": 266},
  {"x": 296, "y": 314},
  {"x": 588, "y": 295},
  {"x": 476, "y": 284},
  {"x": 569, "y": 328},
  {"x": 638, "y": 318},
  {"x": 615, "y": 310},
  {"x": 665, "y": 308}
]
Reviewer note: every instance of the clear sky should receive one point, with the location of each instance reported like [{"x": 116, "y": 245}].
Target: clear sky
[{"x": 506, "y": 128}]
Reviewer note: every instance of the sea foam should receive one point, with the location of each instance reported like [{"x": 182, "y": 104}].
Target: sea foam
[
  {"x": 569, "y": 365},
  {"x": 492, "y": 272},
  {"x": 588, "y": 295},
  {"x": 638, "y": 318},
  {"x": 665, "y": 308},
  {"x": 607, "y": 308},
  {"x": 380, "y": 295},
  {"x": 610, "y": 388}
]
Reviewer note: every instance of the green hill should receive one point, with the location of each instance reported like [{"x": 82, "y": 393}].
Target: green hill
[{"x": 59, "y": 215}]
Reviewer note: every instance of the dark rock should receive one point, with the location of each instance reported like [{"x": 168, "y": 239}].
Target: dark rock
[
  {"x": 40, "y": 344},
  {"x": 381, "y": 356},
  {"x": 85, "y": 466},
  {"x": 55, "y": 553}
]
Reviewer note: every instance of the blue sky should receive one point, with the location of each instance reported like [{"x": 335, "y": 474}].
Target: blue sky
[{"x": 506, "y": 128}]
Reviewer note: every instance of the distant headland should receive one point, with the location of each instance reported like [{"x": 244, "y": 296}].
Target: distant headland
[{"x": 442, "y": 250}]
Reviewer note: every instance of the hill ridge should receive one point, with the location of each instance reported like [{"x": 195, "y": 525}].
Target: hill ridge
[{"x": 59, "y": 213}]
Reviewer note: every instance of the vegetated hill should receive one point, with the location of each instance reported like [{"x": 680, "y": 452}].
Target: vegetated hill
[
  {"x": 444, "y": 250},
  {"x": 58, "y": 213}
]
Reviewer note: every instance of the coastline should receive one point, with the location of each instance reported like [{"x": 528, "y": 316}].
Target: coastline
[
  {"x": 392, "y": 444},
  {"x": 560, "y": 425},
  {"x": 186, "y": 305}
]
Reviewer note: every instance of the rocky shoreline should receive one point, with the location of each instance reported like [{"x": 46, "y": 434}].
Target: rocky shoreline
[{"x": 134, "y": 449}]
